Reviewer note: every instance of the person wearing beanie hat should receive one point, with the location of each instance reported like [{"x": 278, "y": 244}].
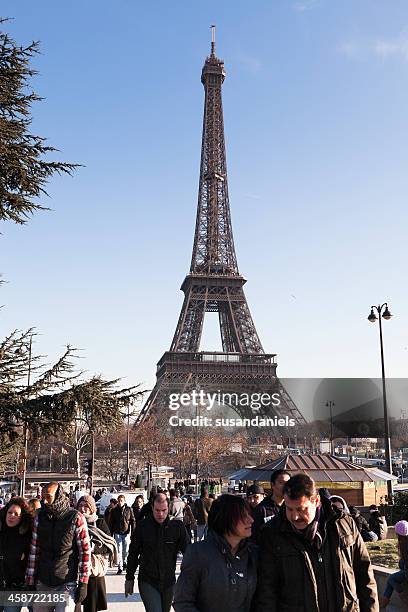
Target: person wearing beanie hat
[
  {"x": 255, "y": 494},
  {"x": 103, "y": 550},
  {"x": 89, "y": 502},
  {"x": 254, "y": 489},
  {"x": 401, "y": 528},
  {"x": 399, "y": 580}
]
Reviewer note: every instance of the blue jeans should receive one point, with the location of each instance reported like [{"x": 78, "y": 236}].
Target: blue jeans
[
  {"x": 122, "y": 542},
  {"x": 155, "y": 600},
  {"x": 369, "y": 536},
  {"x": 201, "y": 532},
  {"x": 395, "y": 582},
  {"x": 68, "y": 589}
]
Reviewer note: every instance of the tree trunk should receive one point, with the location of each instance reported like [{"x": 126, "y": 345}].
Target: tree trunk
[{"x": 78, "y": 461}]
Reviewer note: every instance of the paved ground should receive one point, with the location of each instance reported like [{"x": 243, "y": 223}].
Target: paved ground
[{"x": 115, "y": 588}]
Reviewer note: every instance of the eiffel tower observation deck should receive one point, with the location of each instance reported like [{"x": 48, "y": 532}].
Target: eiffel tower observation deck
[{"x": 214, "y": 284}]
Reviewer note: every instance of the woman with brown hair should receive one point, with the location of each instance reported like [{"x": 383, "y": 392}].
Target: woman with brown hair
[
  {"x": 16, "y": 523},
  {"x": 220, "y": 571}
]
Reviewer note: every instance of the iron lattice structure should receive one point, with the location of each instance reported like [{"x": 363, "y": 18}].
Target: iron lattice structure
[{"x": 214, "y": 284}]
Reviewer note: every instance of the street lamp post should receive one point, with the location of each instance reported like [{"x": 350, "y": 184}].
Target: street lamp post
[
  {"x": 197, "y": 414},
  {"x": 331, "y": 405},
  {"x": 196, "y": 455},
  {"x": 128, "y": 446},
  {"x": 384, "y": 313},
  {"x": 149, "y": 478},
  {"x": 91, "y": 474}
]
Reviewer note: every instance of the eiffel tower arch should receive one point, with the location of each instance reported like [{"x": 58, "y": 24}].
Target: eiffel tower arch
[{"x": 214, "y": 284}]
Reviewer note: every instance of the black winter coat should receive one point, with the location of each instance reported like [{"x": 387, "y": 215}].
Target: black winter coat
[
  {"x": 261, "y": 514},
  {"x": 213, "y": 579},
  {"x": 294, "y": 576},
  {"x": 121, "y": 520},
  {"x": 361, "y": 522},
  {"x": 59, "y": 554},
  {"x": 154, "y": 549},
  {"x": 14, "y": 548},
  {"x": 136, "y": 512}
]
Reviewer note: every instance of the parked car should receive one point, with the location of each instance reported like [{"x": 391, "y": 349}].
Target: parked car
[{"x": 194, "y": 496}]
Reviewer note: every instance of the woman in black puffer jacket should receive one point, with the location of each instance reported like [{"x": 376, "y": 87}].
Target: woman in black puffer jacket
[
  {"x": 15, "y": 537},
  {"x": 220, "y": 572}
]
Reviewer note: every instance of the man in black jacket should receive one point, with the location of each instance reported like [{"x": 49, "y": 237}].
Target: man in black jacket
[
  {"x": 137, "y": 507},
  {"x": 271, "y": 504},
  {"x": 313, "y": 557},
  {"x": 122, "y": 524},
  {"x": 154, "y": 547}
]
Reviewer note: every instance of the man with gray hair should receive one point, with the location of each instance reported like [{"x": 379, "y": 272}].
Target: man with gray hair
[{"x": 154, "y": 547}]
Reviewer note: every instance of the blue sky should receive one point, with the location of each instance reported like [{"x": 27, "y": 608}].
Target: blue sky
[{"x": 315, "y": 110}]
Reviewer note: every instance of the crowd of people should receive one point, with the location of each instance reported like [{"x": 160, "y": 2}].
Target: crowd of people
[{"x": 296, "y": 549}]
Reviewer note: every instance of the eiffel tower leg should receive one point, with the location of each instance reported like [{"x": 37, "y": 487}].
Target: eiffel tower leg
[
  {"x": 190, "y": 324},
  {"x": 229, "y": 334}
]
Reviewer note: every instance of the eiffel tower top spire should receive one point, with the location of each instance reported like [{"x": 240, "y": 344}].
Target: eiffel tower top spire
[
  {"x": 213, "y": 40},
  {"x": 213, "y": 249}
]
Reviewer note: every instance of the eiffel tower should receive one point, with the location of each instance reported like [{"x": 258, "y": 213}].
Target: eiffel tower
[{"x": 214, "y": 284}]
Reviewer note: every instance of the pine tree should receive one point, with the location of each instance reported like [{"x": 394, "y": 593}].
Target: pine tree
[
  {"x": 49, "y": 400},
  {"x": 24, "y": 171},
  {"x": 30, "y": 391}
]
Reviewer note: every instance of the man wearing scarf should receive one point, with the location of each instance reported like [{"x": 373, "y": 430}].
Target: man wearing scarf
[
  {"x": 59, "y": 560},
  {"x": 313, "y": 557}
]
